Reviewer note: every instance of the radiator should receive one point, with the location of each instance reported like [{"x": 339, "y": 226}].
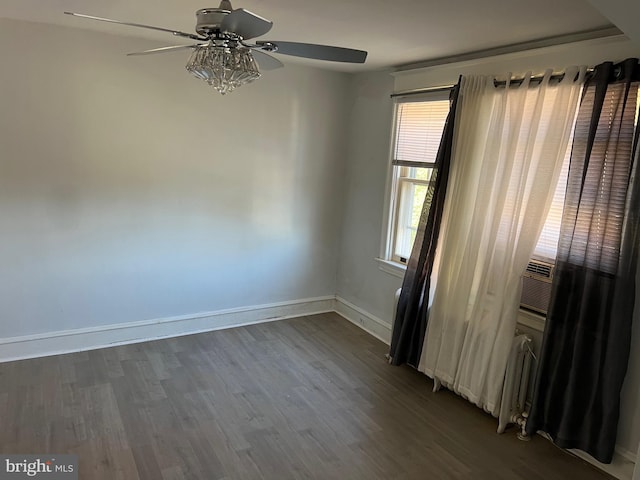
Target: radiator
[
  {"x": 516, "y": 382},
  {"x": 514, "y": 390}
]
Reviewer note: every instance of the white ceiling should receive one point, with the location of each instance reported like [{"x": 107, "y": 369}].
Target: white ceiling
[
  {"x": 623, "y": 13},
  {"x": 394, "y": 33}
]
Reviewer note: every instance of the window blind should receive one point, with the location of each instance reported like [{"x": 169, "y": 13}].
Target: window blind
[
  {"x": 419, "y": 128},
  {"x": 547, "y": 245},
  {"x": 537, "y": 115},
  {"x": 597, "y": 188}
]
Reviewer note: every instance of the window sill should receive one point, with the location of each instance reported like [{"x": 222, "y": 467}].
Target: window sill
[
  {"x": 532, "y": 320},
  {"x": 392, "y": 268},
  {"x": 526, "y": 318}
]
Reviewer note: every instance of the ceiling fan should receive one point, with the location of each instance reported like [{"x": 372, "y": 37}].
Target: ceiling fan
[{"x": 221, "y": 55}]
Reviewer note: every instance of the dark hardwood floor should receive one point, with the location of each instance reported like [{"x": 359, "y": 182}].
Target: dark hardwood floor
[{"x": 311, "y": 397}]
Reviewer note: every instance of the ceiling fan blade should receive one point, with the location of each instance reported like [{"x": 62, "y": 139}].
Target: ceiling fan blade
[
  {"x": 266, "y": 62},
  {"x": 246, "y": 24},
  {"x": 163, "y": 49},
  {"x": 139, "y": 25},
  {"x": 319, "y": 52}
]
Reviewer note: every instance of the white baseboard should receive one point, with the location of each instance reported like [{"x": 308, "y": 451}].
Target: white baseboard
[
  {"x": 363, "y": 319},
  {"x": 67, "y": 341},
  {"x": 621, "y": 467},
  {"x": 626, "y": 454}
]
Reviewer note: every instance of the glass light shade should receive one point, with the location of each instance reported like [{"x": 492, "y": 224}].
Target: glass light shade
[{"x": 223, "y": 68}]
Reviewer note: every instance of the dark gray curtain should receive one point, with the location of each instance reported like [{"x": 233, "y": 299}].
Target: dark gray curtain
[
  {"x": 586, "y": 340},
  {"x": 411, "y": 314}
]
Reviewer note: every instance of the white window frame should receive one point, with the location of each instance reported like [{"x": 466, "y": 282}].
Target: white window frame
[
  {"x": 387, "y": 259},
  {"x": 401, "y": 179}
]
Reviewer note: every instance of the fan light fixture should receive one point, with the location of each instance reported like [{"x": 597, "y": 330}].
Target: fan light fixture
[{"x": 224, "y": 68}]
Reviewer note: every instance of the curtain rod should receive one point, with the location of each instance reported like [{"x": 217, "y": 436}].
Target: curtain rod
[
  {"x": 418, "y": 91},
  {"x": 497, "y": 83}
]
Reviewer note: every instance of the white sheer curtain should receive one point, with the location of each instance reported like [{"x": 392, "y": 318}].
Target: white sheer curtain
[{"x": 508, "y": 149}]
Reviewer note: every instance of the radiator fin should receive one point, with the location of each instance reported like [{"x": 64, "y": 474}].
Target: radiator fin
[{"x": 516, "y": 381}]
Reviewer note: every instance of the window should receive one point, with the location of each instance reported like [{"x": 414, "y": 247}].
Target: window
[
  {"x": 419, "y": 123},
  {"x": 547, "y": 245},
  {"x": 536, "y": 281},
  {"x": 418, "y": 129}
]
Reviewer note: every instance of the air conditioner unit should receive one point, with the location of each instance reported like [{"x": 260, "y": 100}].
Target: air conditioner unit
[{"x": 536, "y": 286}]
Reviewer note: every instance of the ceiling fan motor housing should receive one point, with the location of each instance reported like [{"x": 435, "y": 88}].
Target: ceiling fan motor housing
[{"x": 209, "y": 20}]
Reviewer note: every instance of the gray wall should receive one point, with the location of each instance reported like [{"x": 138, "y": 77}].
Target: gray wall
[
  {"x": 130, "y": 190},
  {"x": 360, "y": 281}
]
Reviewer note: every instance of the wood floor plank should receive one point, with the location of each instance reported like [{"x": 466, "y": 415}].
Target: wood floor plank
[{"x": 305, "y": 398}]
